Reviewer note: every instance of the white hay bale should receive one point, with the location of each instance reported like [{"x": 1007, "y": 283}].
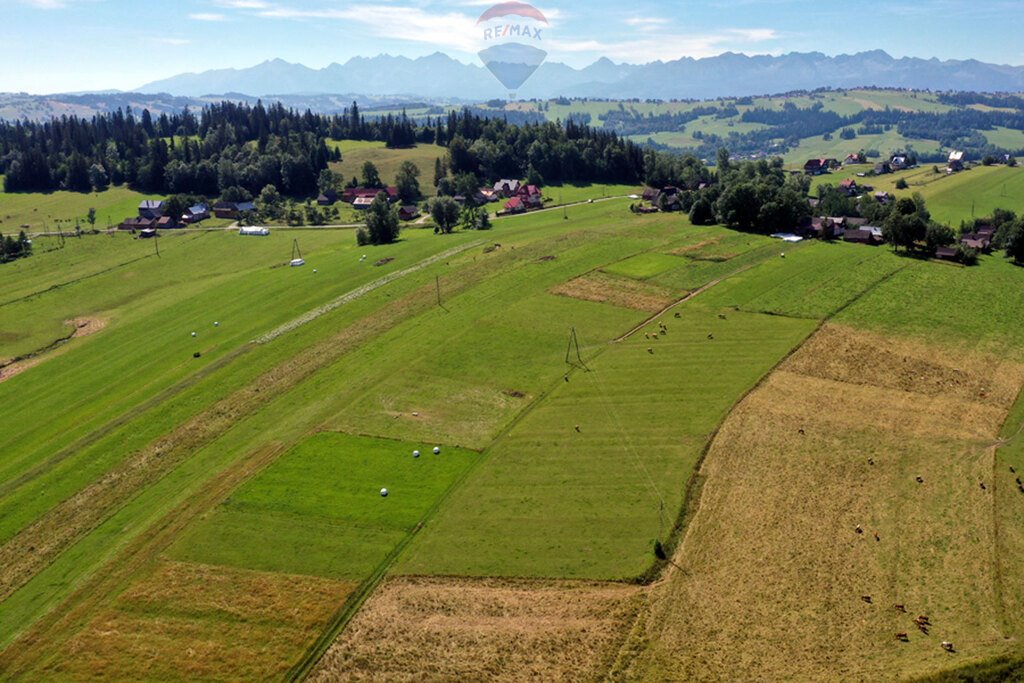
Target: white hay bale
[
  {"x": 415, "y": 454},
  {"x": 437, "y": 450},
  {"x": 384, "y": 493}
]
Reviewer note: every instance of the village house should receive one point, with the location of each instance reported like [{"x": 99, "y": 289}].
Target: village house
[
  {"x": 852, "y": 159},
  {"x": 363, "y": 203},
  {"x": 849, "y": 187},
  {"x": 507, "y": 188},
  {"x": 899, "y": 162},
  {"x": 351, "y": 194},
  {"x": 531, "y": 196},
  {"x": 956, "y": 161},
  {"x": 515, "y": 205},
  {"x": 329, "y": 198},
  {"x": 977, "y": 242},
  {"x": 152, "y": 208},
  {"x": 816, "y": 167},
  {"x": 166, "y": 223}
]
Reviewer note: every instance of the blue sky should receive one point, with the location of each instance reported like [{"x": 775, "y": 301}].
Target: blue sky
[{"x": 71, "y": 45}]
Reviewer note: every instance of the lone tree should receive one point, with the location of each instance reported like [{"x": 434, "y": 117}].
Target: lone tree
[
  {"x": 371, "y": 176},
  {"x": 702, "y": 213},
  {"x": 905, "y": 226},
  {"x": 382, "y": 223},
  {"x": 445, "y": 212},
  {"x": 1015, "y": 241},
  {"x": 407, "y": 182}
]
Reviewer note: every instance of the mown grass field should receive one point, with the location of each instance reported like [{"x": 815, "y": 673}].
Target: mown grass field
[
  {"x": 355, "y": 153},
  {"x": 61, "y": 210},
  {"x": 165, "y": 515},
  {"x": 974, "y": 193}
]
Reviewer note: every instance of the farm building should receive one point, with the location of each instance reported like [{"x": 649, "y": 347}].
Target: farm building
[
  {"x": 132, "y": 224},
  {"x": 166, "y": 223},
  {"x": 863, "y": 236},
  {"x": 327, "y": 198},
  {"x": 947, "y": 253},
  {"x": 232, "y": 210},
  {"x": 857, "y": 158},
  {"x": 363, "y": 203},
  {"x": 899, "y": 162},
  {"x": 152, "y": 208},
  {"x": 408, "y": 213},
  {"x": 195, "y": 214}
]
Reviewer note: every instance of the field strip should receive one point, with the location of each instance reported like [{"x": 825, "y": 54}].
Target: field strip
[
  {"x": 689, "y": 297},
  {"x": 349, "y": 297},
  {"x": 41, "y": 543},
  {"x": 143, "y": 551},
  {"x": 62, "y": 285}
]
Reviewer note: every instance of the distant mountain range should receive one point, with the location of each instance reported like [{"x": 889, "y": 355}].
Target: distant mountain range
[{"x": 729, "y": 74}]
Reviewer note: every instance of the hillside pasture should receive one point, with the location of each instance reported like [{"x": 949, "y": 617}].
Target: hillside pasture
[
  {"x": 550, "y": 501},
  {"x": 491, "y": 630},
  {"x": 818, "y": 451},
  {"x": 48, "y": 212},
  {"x": 355, "y": 153},
  {"x": 207, "y": 623},
  {"x": 814, "y": 280},
  {"x": 318, "y": 510}
]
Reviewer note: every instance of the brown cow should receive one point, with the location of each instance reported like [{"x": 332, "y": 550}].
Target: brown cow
[{"x": 903, "y": 637}]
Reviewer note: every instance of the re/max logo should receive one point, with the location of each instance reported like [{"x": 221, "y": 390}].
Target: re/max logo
[{"x": 509, "y": 30}]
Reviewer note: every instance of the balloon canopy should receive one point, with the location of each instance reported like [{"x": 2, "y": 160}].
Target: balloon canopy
[{"x": 512, "y": 33}]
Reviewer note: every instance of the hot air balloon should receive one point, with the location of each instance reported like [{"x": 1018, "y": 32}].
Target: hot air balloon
[{"x": 512, "y": 33}]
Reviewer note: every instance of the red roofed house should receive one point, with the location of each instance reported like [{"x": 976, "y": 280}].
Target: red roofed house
[
  {"x": 515, "y": 205},
  {"x": 531, "y": 196}
]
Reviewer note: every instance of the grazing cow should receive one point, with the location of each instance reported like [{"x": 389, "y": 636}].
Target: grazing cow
[
  {"x": 647, "y": 336},
  {"x": 711, "y": 336},
  {"x": 803, "y": 433},
  {"x": 859, "y": 529},
  {"x": 866, "y": 598},
  {"x": 948, "y": 646},
  {"x": 920, "y": 480},
  {"x": 903, "y": 637},
  {"x": 877, "y": 537},
  {"x": 900, "y": 608},
  {"x": 871, "y": 461},
  {"x": 650, "y": 351},
  {"x": 983, "y": 487},
  {"x": 921, "y": 619},
  {"x": 721, "y": 316},
  {"x": 578, "y": 429},
  {"x": 678, "y": 316}
]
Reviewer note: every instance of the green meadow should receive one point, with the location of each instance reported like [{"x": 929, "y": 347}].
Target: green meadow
[{"x": 262, "y": 442}]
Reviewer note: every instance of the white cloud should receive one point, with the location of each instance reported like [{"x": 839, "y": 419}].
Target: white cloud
[
  {"x": 46, "y": 4},
  {"x": 177, "y": 42},
  {"x": 666, "y": 46},
  {"x": 207, "y": 16}
]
